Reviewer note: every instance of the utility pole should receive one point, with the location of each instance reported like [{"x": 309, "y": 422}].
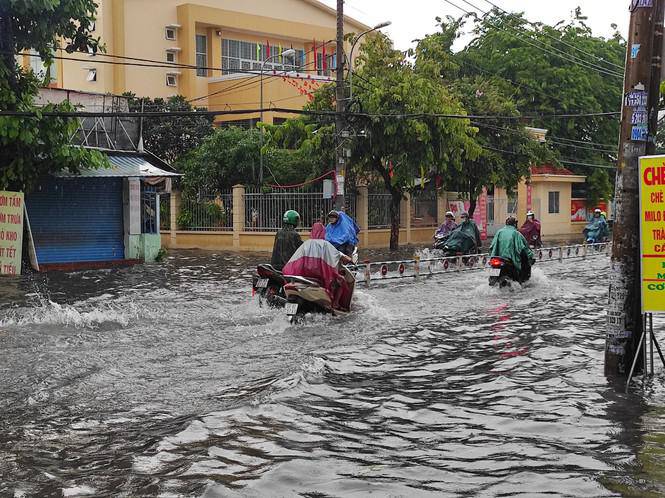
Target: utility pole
[
  {"x": 639, "y": 123},
  {"x": 340, "y": 121}
]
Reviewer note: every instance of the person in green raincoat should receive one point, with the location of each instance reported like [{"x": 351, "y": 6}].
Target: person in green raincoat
[{"x": 510, "y": 244}]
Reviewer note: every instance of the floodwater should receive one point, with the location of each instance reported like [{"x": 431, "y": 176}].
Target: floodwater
[{"x": 168, "y": 380}]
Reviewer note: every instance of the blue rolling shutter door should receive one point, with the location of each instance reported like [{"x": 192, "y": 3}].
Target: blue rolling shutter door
[{"x": 77, "y": 220}]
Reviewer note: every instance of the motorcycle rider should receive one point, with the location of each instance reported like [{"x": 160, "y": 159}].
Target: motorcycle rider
[
  {"x": 342, "y": 232},
  {"x": 320, "y": 260},
  {"x": 531, "y": 230},
  {"x": 287, "y": 240},
  {"x": 509, "y": 243},
  {"x": 447, "y": 227},
  {"x": 319, "y": 228},
  {"x": 597, "y": 228}
]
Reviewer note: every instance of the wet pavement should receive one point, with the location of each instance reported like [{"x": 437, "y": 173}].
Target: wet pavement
[{"x": 170, "y": 380}]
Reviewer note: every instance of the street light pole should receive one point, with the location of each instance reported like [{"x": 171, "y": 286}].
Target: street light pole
[
  {"x": 353, "y": 47},
  {"x": 287, "y": 53},
  {"x": 340, "y": 121}
]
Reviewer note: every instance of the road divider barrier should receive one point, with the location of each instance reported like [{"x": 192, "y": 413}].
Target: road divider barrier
[{"x": 429, "y": 266}]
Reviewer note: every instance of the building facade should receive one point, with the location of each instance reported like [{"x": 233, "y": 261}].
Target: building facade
[{"x": 210, "y": 51}]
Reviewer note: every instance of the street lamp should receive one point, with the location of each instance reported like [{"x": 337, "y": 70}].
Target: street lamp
[
  {"x": 355, "y": 41},
  {"x": 287, "y": 53}
]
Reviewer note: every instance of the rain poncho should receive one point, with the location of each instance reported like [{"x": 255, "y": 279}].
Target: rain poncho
[
  {"x": 465, "y": 238},
  {"x": 597, "y": 229},
  {"x": 287, "y": 242},
  {"x": 531, "y": 231},
  {"x": 446, "y": 228},
  {"x": 318, "y": 231},
  {"x": 345, "y": 231},
  {"x": 319, "y": 260},
  {"x": 509, "y": 243}
]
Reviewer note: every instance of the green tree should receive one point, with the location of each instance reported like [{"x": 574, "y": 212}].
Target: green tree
[
  {"x": 227, "y": 157},
  {"x": 548, "y": 77},
  {"x": 169, "y": 138},
  {"x": 507, "y": 148},
  {"x": 33, "y": 147},
  {"x": 401, "y": 149}
]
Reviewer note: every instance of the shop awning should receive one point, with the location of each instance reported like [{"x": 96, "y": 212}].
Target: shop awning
[{"x": 124, "y": 165}]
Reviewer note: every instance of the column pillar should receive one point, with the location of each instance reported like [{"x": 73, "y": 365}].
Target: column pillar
[
  {"x": 362, "y": 214},
  {"x": 176, "y": 202},
  {"x": 405, "y": 215},
  {"x": 441, "y": 207},
  {"x": 238, "y": 214}
]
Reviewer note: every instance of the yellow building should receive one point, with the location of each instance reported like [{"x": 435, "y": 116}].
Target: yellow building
[{"x": 208, "y": 50}]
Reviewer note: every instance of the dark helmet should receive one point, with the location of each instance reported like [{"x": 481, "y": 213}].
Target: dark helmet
[
  {"x": 291, "y": 217},
  {"x": 511, "y": 220}
]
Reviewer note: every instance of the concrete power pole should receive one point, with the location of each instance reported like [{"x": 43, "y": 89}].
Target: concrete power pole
[
  {"x": 639, "y": 123},
  {"x": 340, "y": 121}
]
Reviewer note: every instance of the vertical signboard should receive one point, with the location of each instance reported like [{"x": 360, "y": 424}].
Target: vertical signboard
[
  {"x": 482, "y": 210},
  {"x": 652, "y": 233},
  {"x": 11, "y": 232}
]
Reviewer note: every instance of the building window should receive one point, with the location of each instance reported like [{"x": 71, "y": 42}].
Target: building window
[
  {"x": 170, "y": 57},
  {"x": 171, "y": 80},
  {"x": 511, "y": 206},
  {"x": 330, "y": 64},
  {"x": 201, "y": 55},
  {"x": 240, "y": 57},
  {"x": 170, "y": 34},
  {"x": 47, "y": 73},
  {"x": 92, "y": 75},
  {"x": 553, "y": 203}
]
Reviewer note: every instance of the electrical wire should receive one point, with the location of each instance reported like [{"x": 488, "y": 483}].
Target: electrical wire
[
  {"x": 419, "y": 115},
  {"x": 547, "y": 48},
  {"x": 532, "y": 42},
  {"x": 589, "y": 54}
]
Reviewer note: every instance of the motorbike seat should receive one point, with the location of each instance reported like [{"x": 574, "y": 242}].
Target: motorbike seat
[
  {"x": 269, "y": 268},
  {"x": 303, "y": 280}
]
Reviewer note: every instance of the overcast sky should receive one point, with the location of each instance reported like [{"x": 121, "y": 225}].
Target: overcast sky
[{"x": 414, "y": 18}]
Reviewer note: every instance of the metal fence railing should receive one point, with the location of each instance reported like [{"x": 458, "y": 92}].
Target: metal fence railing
[
  {"x": 378, "y": 212},
  {"x": 264, "y": 210},
  {"x": 207, "y": 212},
  {"x": 423, "y": 208},
  {"x": 165, "y": 212}
]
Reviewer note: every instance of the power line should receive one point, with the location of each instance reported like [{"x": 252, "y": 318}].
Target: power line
[
  {"x": 421, "y": 115},
  {"x": 542, "y": 47},
  {"x": 552, "y": 142},
  {"x": 564, "y": 161},
  {"x": 589, "y": 54},
  {"x": 547, "y": 48}
]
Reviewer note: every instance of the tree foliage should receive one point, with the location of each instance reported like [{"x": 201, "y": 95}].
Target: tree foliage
[
  {"x": 507, "y": 150},
  {"x": 548, "y": 77},
  {"x": 169, "y": 138},
  {"x": 400, "y": 149},
  {"x": 32, "y": 147}
]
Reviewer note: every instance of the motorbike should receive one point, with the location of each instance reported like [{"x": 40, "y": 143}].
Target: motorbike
[
  {"x": 269, "y": 283},
  {"x": 502, "y": 272},
  {"x": 440, "y": 241},
  {"x": 309, "y": 295}
]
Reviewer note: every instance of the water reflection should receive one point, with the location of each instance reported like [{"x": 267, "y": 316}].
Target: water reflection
[{"x": 169, "y": 380}]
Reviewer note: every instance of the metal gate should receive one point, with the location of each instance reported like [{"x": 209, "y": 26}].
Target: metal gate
[{"x": 77, "y": 220}]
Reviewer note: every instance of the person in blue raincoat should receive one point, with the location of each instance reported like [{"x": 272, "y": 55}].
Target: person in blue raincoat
[
  {"x": 342, "y": 232},
  {"x": 597, "y": 230}
]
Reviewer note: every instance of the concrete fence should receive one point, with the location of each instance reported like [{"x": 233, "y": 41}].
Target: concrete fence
[{"x": 419, "y": 217}]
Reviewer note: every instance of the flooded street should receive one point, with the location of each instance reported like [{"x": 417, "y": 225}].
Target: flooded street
[{"x": 169, "y": 380}]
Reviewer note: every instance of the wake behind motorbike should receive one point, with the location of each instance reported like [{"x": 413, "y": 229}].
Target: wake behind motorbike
[
  {"x": 503, "y": 272},
  {"x": 269, "y": 283}
]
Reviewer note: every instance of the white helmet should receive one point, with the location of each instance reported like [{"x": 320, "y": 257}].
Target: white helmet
[
  {"x": 530, "y": 213},
  {"x": 450, "y": 213}
]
